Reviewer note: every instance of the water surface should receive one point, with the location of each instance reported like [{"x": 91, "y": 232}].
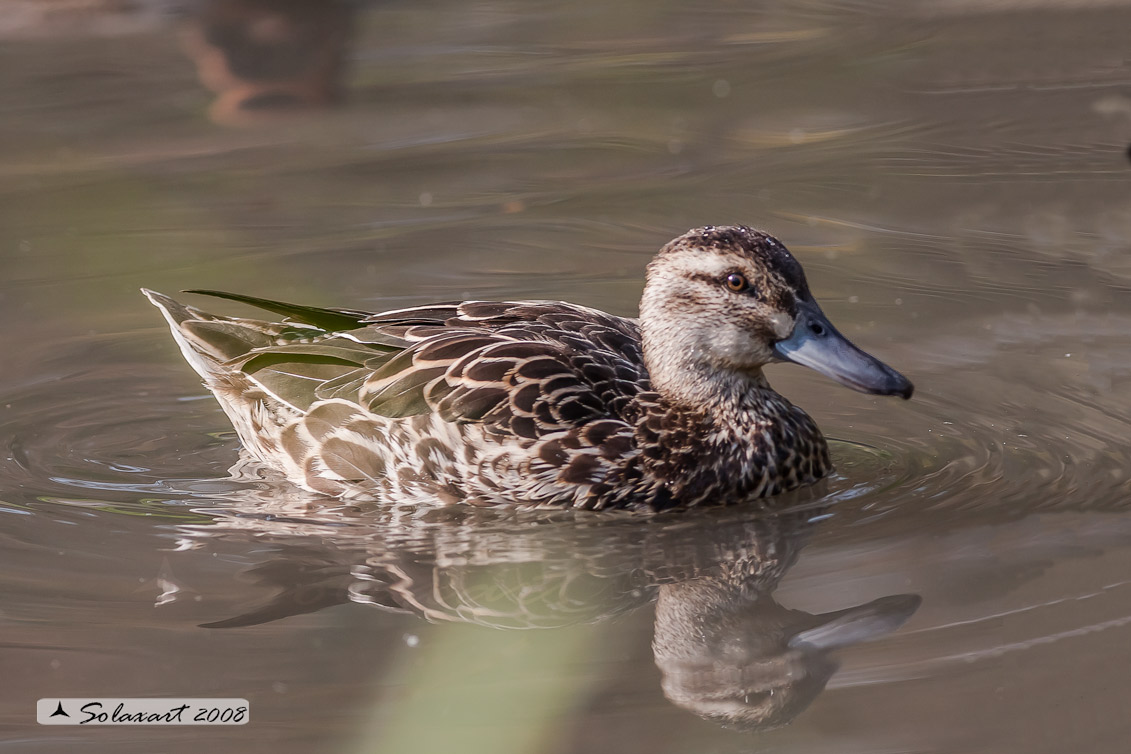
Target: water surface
[{"x": 954, "y": 180}]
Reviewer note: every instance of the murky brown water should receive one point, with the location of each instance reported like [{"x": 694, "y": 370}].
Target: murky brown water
[{"x": 955, "y": 182}]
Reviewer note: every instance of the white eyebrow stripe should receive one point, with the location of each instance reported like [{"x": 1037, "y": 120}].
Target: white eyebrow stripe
[{"x": 711, "y": 264}]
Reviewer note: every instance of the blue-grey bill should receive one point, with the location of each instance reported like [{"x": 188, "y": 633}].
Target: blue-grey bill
[{"x": 816, "y": 344}]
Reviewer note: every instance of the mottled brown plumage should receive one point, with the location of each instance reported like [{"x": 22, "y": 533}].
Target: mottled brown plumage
[{"x": 541, "y": 403}]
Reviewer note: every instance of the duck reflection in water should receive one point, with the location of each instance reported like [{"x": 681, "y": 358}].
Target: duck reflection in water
[
  {"x": 264, "y": 58},
  {"x": 726, "y": 649},
  {"x": 730, "y": 653}
]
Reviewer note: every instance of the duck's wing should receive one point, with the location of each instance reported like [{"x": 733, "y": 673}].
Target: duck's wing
[{"x": 522, "y": 368}]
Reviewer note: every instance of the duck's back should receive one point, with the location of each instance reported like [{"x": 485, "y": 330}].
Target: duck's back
[{"x": 482, "y": 402}]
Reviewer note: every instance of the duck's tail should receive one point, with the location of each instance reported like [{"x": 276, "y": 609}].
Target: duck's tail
[{"x": 210, "y": 341}]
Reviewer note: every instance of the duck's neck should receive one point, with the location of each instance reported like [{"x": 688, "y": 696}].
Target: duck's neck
[{"x": 728, "y": 435}]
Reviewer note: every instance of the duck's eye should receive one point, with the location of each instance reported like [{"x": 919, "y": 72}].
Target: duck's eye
[{"x": 737, "y": 282}]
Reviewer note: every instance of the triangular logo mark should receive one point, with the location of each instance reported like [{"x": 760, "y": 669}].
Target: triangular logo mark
[{"x": 59, "y": 711}]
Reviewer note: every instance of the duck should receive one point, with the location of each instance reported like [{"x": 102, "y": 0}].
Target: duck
[{"x": 541, "y": 403}]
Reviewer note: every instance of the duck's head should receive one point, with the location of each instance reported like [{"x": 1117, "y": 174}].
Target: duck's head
[{"x": 726, "y": 300}]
